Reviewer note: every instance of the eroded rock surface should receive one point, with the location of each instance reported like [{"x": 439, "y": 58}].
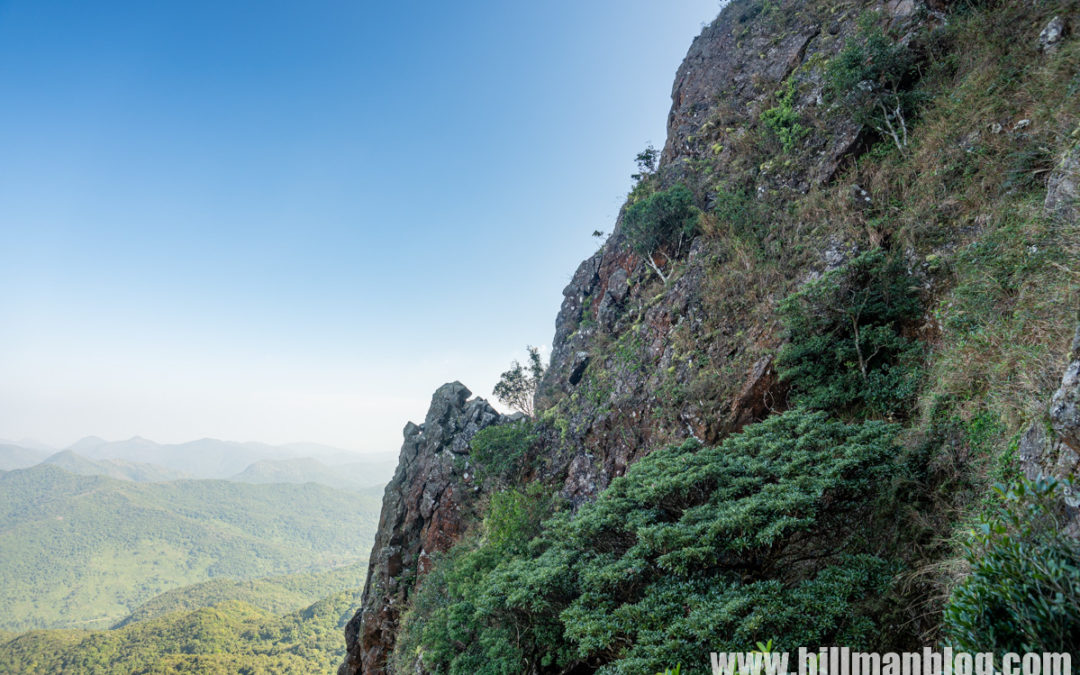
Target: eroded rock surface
[{"x": 426, "y": 508}]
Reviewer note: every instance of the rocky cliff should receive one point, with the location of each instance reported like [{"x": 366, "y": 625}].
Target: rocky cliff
[
  {"x": 636, "y": 363},
  {"x": 426, "y": 507},
  {"x": 968, "y": 180}
]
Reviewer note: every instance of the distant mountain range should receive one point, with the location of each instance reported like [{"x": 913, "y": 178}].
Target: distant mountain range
[
  {"x": 113, "y": 468},
  {"x": 87, "y": 551},
  {"x": 142, "y": 460},
  {"x": 19, "y": 457}
]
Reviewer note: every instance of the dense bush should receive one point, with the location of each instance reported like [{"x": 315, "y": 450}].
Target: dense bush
[
  {"x": 1023, "y": 594},
  {"x": 694, "y": 549},
  {"x": 514, "y": 516},
  {"x": 500, "y": 453},
  {"x": 846, "y": 349},
  {"x": 663, "y": 221}
]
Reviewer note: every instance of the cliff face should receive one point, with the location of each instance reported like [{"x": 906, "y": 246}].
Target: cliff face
[
  {"x": 426, "y": 507},
  {"x": 792, "y": 183},
  {"x": 637, "y": 363},
  {"x": 634, "y": 364}
]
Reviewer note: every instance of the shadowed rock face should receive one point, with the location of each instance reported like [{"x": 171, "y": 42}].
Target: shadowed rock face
[
  {"x": 1055, "y": 451},
  {"x": 426, "y": 508}
]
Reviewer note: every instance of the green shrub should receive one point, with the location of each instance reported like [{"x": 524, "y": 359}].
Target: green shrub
[
  {"x": 1023, "y": 594},
  {"x": 500, "y": 453},
  {"x": 693, "y": 550},
  {"x": 845, "y": 349},
  {"x": 783, "y": 120},
  {"x": 872, "y": 77},
  {"x": 662, "y": 222},
  {"x": 739, "y": 210},
  {"x": 517, "y": 387},
  {"x": 513, "y": 517}
]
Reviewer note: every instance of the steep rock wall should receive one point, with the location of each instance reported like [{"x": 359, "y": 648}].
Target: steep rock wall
[
  {"x": 426, "y": 507},
  {"x": 637, "y": 363}
]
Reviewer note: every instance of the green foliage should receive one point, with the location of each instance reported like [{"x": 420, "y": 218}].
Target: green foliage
[
  {"x": 845, "y": 349},
  {"x": 513, "y": 517},
  {"x": 227, "y": 639},
  {"x": 783, "y": 120},
  {"x": 872, "y": 78},
  {"x": 693, "y": 550},
  {"x": 517, "y": 386},
  {"x": 87, "y": 550},
  {"x": 646, "y": 163},
  {"x": 1023, "y": 593},
  {"x": 500, "y": 453},
  {"x": 662, "y": 221}
]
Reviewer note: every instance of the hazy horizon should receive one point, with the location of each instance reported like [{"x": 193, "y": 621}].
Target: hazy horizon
[
  {"x": 35, "y": 444},
  {"x": 282, "y": 222}
]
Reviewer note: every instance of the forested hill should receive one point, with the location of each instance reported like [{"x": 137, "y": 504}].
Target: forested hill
[
  {"x": 88, "y": 550},
  {"x": 229, "y": 638}
]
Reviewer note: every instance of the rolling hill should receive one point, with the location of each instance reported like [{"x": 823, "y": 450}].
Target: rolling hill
[
  {"x": 88, "y": 550},
  {"x": 119, "y": 469},
  {"x": 231, "y": 637},
  {"x": 18, "y": 457},
  {"x": 360, "y": 475},
  {"x": 277, "y": 595}
]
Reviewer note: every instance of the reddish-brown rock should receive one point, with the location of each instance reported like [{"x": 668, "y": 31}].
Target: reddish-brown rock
[{"x": 426, "y": 507}]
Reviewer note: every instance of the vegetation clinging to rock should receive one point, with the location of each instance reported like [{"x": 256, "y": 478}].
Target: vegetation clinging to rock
[
  {"x": 722, "y": 530},
  {"x": 1023, "y": 593},
  {"x": 847, "y": 348},
  {"x": 663, "y": 222}
]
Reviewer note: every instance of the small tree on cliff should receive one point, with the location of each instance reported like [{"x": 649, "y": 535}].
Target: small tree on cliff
[
  {"x": 661, "y": 223},
  {"x": 517, "y": 386}
]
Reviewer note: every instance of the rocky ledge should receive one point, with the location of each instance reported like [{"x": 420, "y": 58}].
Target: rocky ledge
[{"x": 425, "y": 510}]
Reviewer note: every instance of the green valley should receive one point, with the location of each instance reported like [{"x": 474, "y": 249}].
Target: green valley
[{"x": 87, "y": 551}]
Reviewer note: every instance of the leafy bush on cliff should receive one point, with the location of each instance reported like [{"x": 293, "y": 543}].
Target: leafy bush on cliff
[
  {"x": 517, "y": 387},
  {"x": 1023, "y": 594},
  {"x": 783, "y": 120},
  {"x": 846, "y": 348},
  {"x": 873, "y": 77},
  {"x": 694, "y": 549},
  {"x": 662, "y": 222},
  {"x": 500, "y": 452},
  {"x": 514, "y": 516}
]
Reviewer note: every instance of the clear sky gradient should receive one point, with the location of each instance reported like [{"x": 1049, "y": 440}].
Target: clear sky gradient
[{"x": 284, "y": 221}]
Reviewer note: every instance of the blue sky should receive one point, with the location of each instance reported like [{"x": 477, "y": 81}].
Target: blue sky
[{"x": 284, "y": 221}]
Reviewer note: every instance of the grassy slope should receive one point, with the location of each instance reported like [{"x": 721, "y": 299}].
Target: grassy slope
[{"x": 87, "y": 550}]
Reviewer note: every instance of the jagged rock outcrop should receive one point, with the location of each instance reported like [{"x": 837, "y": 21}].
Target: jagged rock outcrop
[
  {"x": 1063, "y": 186},
  {"x": 426, "y": 508},
  {"x": 1051, "y": 447}
]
